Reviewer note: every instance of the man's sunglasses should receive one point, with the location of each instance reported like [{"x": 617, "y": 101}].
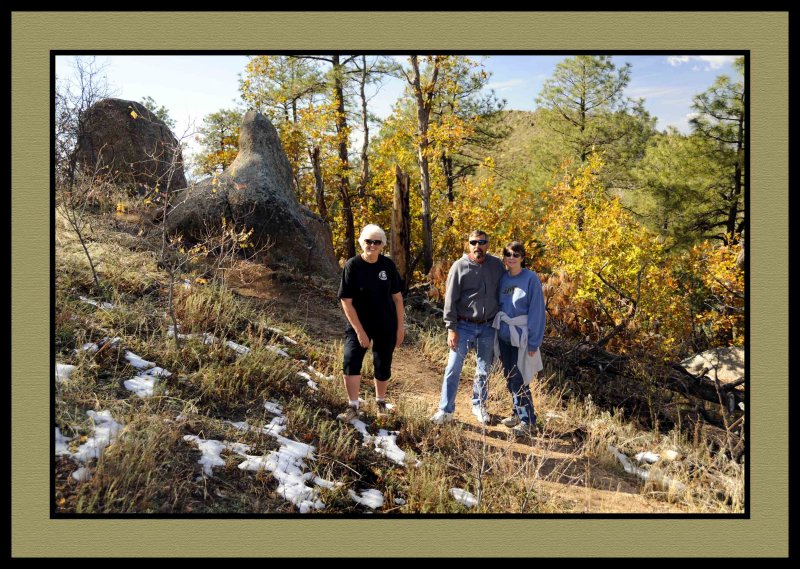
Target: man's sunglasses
[
  {"x": 478, "y": 242},
  {"x": 373, "y": 241},
  {"x": 510, "y": 254}
]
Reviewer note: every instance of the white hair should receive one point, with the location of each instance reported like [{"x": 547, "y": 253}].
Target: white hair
[{"x": 370, "y": 230}]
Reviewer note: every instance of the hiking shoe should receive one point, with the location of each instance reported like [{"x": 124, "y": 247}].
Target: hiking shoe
[
  {"x": 381, "y": 410},
  {"x": 481, "y": 414},
  {"x": 525, "y": 431},
  {"x": 441, "y": 417},
  {"x": 511, "y": 421},
  {"x": 349, "y": 415}
]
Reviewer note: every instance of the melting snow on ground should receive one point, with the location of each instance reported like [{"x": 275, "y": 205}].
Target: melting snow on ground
[
  {"x": 287, "y": 464},
  {"x": 370, "y": 498},
  {"x": 655, "y": 477},
  {"x": 310, "y": 382},
  {"x": 385, "y": 442},
  {"x": 104, "y": 432},
  {"x": 464, "y": 497},
  {"x": 103, "y": 305},
  {"x": 63, "y": 371}
]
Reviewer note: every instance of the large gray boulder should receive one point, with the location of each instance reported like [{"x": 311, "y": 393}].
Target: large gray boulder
[
  {"x": 256, "y": 192},
  {"x": 725, "y": 363},
  {"x": 126, "y": 140}
]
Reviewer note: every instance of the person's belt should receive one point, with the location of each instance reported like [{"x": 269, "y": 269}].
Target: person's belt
[{"x": 474, "y": 320}]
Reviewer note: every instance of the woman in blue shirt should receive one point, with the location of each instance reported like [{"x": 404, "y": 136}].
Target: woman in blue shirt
[{"x": 520, "y": 329}]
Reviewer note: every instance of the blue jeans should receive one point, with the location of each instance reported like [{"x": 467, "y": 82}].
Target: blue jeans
[
  {"x": 520, "y": 393},
  {"x": 480, "y": 337}
]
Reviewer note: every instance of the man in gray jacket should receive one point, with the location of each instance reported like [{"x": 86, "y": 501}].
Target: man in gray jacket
[{"x": 469, "y": 308}]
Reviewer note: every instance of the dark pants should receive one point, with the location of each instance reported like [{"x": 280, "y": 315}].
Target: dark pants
[
  {"x": 520, "y": 393},
  {"x": 382, "y": 351}
]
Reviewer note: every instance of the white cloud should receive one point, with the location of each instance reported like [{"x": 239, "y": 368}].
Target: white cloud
[
  {"x": 675, "y": 60},
  {"x": 505, "y": 85},
  {"x": 712, "y": 61}
]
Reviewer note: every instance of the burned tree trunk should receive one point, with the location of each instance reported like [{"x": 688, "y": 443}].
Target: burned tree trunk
[{"x": 401, "y": 227}]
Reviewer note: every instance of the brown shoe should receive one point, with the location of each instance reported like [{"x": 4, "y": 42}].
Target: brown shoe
[
  {"x": 381, "y": 410},
  {"x": 349, "y": 415}
]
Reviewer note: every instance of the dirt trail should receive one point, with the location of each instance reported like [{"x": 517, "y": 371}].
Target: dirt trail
[{"x": 582, "y": 485}]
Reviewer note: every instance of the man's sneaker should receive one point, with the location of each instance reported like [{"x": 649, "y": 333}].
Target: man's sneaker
[
  {"x": 381, "y": 410},
  {"x": 481, "y": 414},
  {"x": 441, "y": 417},
  {"x": 525, "y": 431},
  {"x": 511, "y": 421},
  {"x": 349, "y": 415}
]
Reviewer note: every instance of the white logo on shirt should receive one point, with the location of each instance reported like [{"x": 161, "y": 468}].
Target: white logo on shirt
[{"x": 382, "y": 275}]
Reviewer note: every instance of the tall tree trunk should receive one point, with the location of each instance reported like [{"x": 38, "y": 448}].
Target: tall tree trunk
[
  {"x": 344, "y": 179},
  {"x": 362, "y": 184},
  {"x": 423, "y": 118},
  {"x": 401, "y": 227},
  {"x": 319, "y": 184}
]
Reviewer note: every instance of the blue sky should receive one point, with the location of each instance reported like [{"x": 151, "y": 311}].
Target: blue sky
[{"x": 191, "y": 87}]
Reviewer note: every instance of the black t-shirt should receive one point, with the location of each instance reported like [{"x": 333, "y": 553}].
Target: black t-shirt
[{"x": 371, "y": 286}]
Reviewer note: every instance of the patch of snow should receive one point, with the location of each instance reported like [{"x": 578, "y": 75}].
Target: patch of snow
[
  {"x": 320, "y": 375},
  {"x": 63, "y": 371},
  {"x": 649, "y": 457},
  {"x": 242, "y": 350},
  {"x": 82, "y": 474},
  {"x": 211, "y": 451},
  {"x": 464, "y": 497},
  {"x": 310, "y": 382},
  {"x": 399, "y": 501},
  {"x": 386, "y": 445},
  {"x": 141, "y": 385},
  {"x": 656, "y": 477},
  {"x": 62, "y": 448},
  {"x": 370, "y": 498},
  {"x": 288, "y": 340},
  {"x": 136, "y": 361},
  {"x": 105, "y": 431},
  {"x": 157, "y": 372},
  {"x": 103, "y": 305},
  {"x": 90, "y": 347},
  {"x": 273, "y": 407},
  {"x": 278, "y": 351}
]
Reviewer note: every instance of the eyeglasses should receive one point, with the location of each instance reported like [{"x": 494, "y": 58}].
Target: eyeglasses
[
  {"x": 510, "y": 254},
  {"x": 373, "y": 241},
  {"x": 479, "y": 242}
]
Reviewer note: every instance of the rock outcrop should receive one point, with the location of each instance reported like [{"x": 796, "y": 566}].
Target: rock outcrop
[
  {"x": 126, "y": 140},
  {"x": 256, "y": 192}
]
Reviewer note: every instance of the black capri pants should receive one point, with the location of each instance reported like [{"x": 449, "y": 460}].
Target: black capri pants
[{"x": 382, "y": 351}]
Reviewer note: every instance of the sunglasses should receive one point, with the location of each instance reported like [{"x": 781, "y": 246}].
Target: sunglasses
[
  {"x": 510, "y": 254},
  {"x": 373, "y": 241},
  {"x": 478, "y": 242}
]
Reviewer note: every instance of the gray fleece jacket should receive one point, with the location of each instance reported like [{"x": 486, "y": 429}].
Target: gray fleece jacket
[{"x": 472, "y": 290}]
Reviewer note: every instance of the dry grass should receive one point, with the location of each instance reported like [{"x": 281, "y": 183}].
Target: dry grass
[{"x": 150, "y": 468}]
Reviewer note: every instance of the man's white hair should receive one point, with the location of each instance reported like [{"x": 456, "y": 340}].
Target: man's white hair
[{"x": 369, "y": 231}]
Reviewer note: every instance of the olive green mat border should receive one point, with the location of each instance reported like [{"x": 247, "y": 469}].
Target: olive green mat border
[{"x": 764, "y": 34}]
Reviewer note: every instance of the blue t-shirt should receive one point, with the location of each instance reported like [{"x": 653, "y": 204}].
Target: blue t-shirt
[{"x": 520, "y": 295}]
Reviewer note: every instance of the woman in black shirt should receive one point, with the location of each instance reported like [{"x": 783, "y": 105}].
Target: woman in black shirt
[{"x": 370, "y": 292}]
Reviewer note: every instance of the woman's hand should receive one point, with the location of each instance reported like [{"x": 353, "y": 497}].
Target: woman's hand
[{"x": 532, "y": 353}]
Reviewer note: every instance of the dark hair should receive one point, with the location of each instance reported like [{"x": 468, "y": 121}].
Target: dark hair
[
  {"x": 477, "y": 233},
  {"x": 516, "y": 247}
]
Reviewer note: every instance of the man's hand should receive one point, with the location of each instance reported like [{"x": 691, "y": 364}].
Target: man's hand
[
  {"x": 401, "y": 334},
  {"x": 452, "y": 339},
  {"x": 363, "y": 339}
]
